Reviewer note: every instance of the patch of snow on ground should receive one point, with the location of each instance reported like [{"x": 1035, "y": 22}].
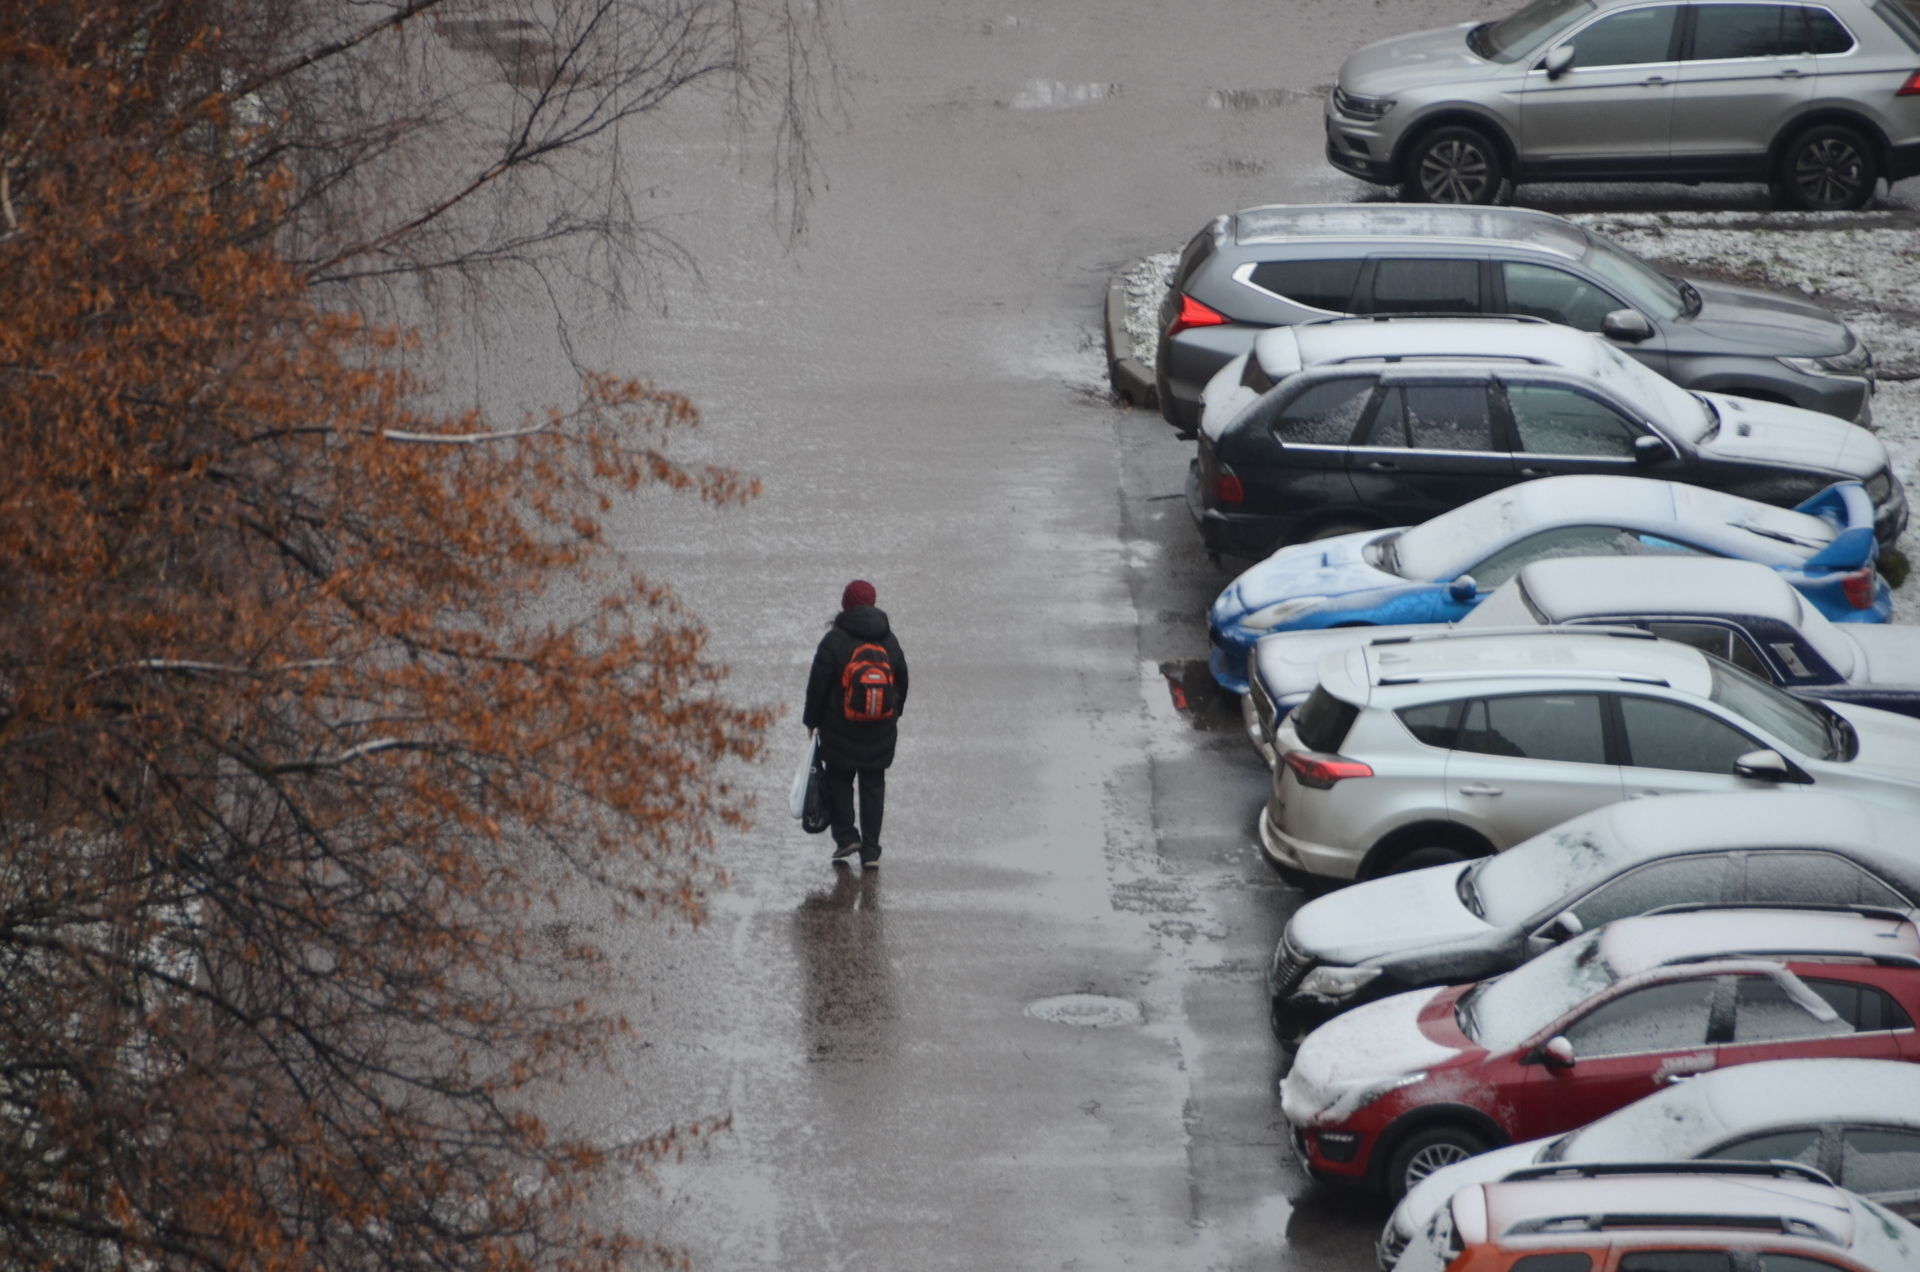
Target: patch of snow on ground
[{"x": 1146, "y": 283}]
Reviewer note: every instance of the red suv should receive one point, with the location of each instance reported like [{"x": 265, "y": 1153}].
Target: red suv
[{"x": 1392, "y": 1091}]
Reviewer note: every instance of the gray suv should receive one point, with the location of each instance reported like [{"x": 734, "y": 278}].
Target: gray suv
[
  {"x": 1280, "y": 265},
  {"x": 1820, "y": 101}
]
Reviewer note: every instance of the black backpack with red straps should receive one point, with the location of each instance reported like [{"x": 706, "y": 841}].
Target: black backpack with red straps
[{"x": 867, "y": 692}]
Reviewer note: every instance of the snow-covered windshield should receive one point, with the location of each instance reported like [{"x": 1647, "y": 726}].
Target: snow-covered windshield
[
  {"x": 1507, "y": 606},
  {"x": 1440, "y": 547},
  {"x": 1644, "y": 286},
  {"x": 1657, "y": 398},
  {"x": 1666, "y": 1126},
  {"x": 1504, "y": 1012},
  {"x": 1540, "y": 876},
  {"x": 1510, "y": 38}
]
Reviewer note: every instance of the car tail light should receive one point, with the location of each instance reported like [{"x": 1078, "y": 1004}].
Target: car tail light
[
  {"x": 1858, "y": 588},
  {"x": 1911, "y": 88},
  {"x": 1226, "y": 486},
  {"x": 1322, "y": 771},
  {"x": 1194, "y": 314}
]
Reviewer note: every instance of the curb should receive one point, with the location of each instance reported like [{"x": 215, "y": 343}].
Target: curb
[{"x": 1130, "y": 378}]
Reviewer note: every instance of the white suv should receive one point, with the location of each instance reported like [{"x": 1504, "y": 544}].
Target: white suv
[{"x": 1422, "y": 750}]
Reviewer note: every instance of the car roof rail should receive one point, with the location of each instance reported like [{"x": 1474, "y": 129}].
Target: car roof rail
[
  {"x": 1458, "y": 633},
  {"x": 1786, "y": 1225},
  {"x": 1425, "y": 314},
  {"x": 1802, "y": 955},
  {"x": 1523, "y": 673},
  {"x": 1893, "y": 912},
  {"x": 1777, "y": 1168}
]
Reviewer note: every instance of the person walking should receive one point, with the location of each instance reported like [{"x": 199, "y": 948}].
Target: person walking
[{"x": 855, "y": 693}]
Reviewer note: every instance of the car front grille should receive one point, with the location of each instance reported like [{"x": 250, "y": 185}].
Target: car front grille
[{"x": 1289, "y": 968}]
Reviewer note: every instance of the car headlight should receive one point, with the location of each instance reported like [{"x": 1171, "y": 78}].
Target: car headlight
[
  {"x": 1337, "y": 984},
  {"x": 1854, "y": 362},
  {"x": 1880, "y": 486},
  {"x": 1366, "y": 1095},
  {"x": 1268, "y": 617},
  {"x": 1367, "y": 109}
]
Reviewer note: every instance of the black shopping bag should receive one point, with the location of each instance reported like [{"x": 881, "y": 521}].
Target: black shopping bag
[{"x": 813, "y": 811}]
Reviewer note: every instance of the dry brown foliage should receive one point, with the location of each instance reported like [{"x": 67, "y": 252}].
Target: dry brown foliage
[{"x": 292, "y": 762}]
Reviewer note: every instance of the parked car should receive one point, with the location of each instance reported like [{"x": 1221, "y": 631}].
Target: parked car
[
  {"x": 1440, "y": 570},
  {"x": 1736, "y": 610},
  {"x": 1431, "y": 750},
  {"x": 1815, "y": 100},
  {"x": 1354, "y": 423},
  {"x": 1275, "y": 266},
  {"x": 1664, "y": 1217},
  {"x": 1386, "y": 1094},
  {"x": 1856, "y": 1121},
  {"x": 1449, "y": 924}
]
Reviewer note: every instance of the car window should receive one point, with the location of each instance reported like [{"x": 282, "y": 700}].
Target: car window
[
  {"x": 1425, "y": 287},
  {"x": 1324, "y": 285},
  {"x": 1535, "y": 726},
  {"x": 1322, "y": 721},
  {"x": 1568, "y": 541},
  {"x": 1876, "y": 1160},
  {"x": 1539, "y": 291},
  {"x": 1763, "y": 1011},
  {"x": 1551, "y": 419},
  {"x": 1676, "y": 737},
  {"x": 1676, "y": 1261},
  {"x": 1671, "y": 1016},
  {"x": 1795, "y": 1263},
  {"x": 1799, "y": 1145},
  {"x": 1712, "y": 638},
  {"x": 1323, "y": 414},
  {"x": 1748, "y": 30},
  {"x": 1507, "y": 39},
  {"x": 1825, "y": 33},
  {"x": 1388, "y": 427},
  {"x": 1448, "y": 417},
  {"x": 1704, "y": 878},
  {"x": 1798, "y": 723},
  {"x": 1431, "y": 724},
  {"x": 1821, "y": 878},
  {"x": 1865, "y": 1008},
  {"x": 1626, "y": 39}
]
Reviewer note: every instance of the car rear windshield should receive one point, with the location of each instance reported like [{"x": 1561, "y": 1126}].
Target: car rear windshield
[
  {"x": 1904, "y": 17},
  {"x": 1510, "y": 38},
  {"x": 1322, "y": 721}
]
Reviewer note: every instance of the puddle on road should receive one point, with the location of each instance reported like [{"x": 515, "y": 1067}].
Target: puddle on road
[
  {"x": 1058, "y": 95},
  {"x": 1088, "y": 1011},
  {"x": 1260, "y": 98},
  {"x": 1198, "y": 697}
]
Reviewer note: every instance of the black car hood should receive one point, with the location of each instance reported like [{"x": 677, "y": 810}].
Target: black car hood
[
  {"x": 1741, "y": 320},
  {"x": 1396, "y": 917}
]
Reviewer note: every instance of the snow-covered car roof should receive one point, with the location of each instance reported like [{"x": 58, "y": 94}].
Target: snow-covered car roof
[
  {"x": 1443, "y": 546},
  {"x": 1516, "y": 658},
  {"x": 1683, "y": 1119},
  {"x": 1282, "y": 350},
  {"x": 1585, "y": 587},
  {"x": 1287, "y": 223},
  {"x": 1782, "y": 1203},
  {"x": 1644, "y": 942}
]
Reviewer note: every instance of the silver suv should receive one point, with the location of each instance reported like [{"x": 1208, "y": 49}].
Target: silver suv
[
  {"x": 1820, "y": 101},
  {"x": 1418, "y": 751}
]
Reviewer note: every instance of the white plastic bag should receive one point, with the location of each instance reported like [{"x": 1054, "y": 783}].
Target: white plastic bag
[{"x": 797, "y": 802}]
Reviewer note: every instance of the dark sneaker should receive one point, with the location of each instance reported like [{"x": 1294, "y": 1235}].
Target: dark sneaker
[
  {"x": 846, "y": 850},
  {"x": 870, "y": 860}
]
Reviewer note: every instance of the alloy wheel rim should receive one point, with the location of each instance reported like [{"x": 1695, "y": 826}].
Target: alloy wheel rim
[
  {"x": 1829, "y": 172},
  {"x": 1454, "y": 171},
  {"x": 1432, "y": 1158}
]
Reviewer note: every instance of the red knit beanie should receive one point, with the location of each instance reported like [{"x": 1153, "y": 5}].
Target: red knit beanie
[{"x": 858, "y": 592}]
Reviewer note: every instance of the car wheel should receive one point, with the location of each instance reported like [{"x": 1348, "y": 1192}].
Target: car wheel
[
  {"x": 1433, "y": 855},
  {"x": 1454, "y": 165},
  {"x": 1826, "y": 169},
  {"x": 1426, "y": 1151}
]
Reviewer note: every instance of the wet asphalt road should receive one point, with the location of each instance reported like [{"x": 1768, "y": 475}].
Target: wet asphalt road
[{"x": 919, "y": 383}]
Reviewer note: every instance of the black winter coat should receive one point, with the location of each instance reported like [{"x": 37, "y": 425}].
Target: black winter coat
[{"x": 842, "y": 741}]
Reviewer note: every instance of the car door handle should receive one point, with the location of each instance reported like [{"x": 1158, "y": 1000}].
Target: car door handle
[
  {"x": 1645, "y": 794},
  {"x": 1653, "y": 81},
  {"x": 1479, "y": 788},
  {"x": 1791, "y": 74},
  {"x": 1536, "y": 472},
  {"x": 1383, "y": 465}
]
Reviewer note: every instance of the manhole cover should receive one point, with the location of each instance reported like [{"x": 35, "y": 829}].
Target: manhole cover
[{"x": 1093, "y": 1011}]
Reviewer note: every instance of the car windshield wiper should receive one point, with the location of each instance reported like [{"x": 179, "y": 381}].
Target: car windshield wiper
[{"x": 1468, "y": 894}]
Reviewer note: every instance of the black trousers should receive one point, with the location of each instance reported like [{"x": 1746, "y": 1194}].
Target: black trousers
[{"x": 873, "y": 800}]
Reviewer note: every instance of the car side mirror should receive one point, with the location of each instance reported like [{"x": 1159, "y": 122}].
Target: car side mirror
[
  {"x": 1463, "y": 589},
  {"x": 1629, "y": 326},
  {"x": 1565, "y": 926},
  {"x": 1768, "y": 766},
  {"x": 1648, "y": 449},
  {"x": 1557, "y": 1053},
  {"x": 1557, "y": 61}
]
